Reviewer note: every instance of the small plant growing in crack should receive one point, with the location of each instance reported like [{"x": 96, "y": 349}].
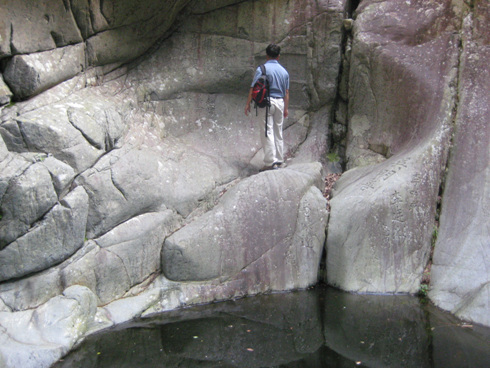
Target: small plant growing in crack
[{"x": 333, "y": 157}]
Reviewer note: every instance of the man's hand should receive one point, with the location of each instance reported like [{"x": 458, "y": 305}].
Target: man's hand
[
  {"x": 286, "y": 112},
  {"x": 249, "y": 101}
]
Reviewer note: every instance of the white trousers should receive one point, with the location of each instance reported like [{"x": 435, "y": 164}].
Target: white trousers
[{"x": 273, "y": 144}]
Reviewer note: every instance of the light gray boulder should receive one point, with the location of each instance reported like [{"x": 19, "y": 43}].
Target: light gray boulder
[
  {"x": 76, "y": 132},
  {"x": 114, "y": 31},
  {"x": 56, "y": 237},
  {"x": 383, "y": 215},
  {"x": 212, "y": 125},
  {"x": 12, "y": 136},
  {"x": 127, "y": 256},
  {"x": 4, "y": 152},
  {"x": 62, "y": 174},
  {"x": 38, "y": 338},
  {"x": 5, "y": 92},
  {"x": 265, "y": 230},
  {"x": 129, "y": 182},
  {"x": 166, "y": 74},
  {"x": 460, "y": 279},
  {"x": 49, "y": 130},
  {"x": 394, "y": 67},
  {"x": 11, "y": 166},
  {"x": 230, "y": 47},
  {"x": 381, "y": 224},
  {"x": 31, "y": 291},
  {"x": 30, "y": 74},
  {"x": 27, "y": 198},
  {"x": 315, "y": 146},
  {"x": 132, "y": 27},
  {"x": 33, "y": 26},
  {"x": 89, "y": 16}
]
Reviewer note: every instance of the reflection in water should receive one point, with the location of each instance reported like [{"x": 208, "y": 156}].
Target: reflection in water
[{"x": 322, "y": 327}]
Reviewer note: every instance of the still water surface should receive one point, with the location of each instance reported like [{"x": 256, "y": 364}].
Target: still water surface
[{"x": 321, "y": 327}]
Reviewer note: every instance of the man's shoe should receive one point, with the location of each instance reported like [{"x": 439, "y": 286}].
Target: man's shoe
[
  {"x": 265, "y": 168},
  {"x": 279, "y": 165}
]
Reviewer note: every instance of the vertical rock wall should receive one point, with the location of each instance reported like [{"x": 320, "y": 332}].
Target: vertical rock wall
[
  {"x": 460, "y": 280},
  {"x": 401, "y": 95},
  {"x": 417, "y": 120}
]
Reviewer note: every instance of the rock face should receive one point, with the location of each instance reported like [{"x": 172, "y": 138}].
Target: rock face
[
  {"x": 281, "y": 248},
  {"x": 461, "y": 283},
  {"x": 129, "y": 176},
  {"x": 107, "y": 171},
  {"x": 30, "y": 74},
  {"x": 383, "y": 211},
  {"x": 414, "y": 84},
  {"x": 42, "y": 335}
]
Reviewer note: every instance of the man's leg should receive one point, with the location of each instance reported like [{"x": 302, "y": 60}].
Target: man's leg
[
  {"x": 268, "y": 142},
  {"x": 278, "y": 116}
]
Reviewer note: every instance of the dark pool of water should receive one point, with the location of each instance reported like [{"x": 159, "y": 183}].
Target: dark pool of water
[{"x": 321, "y": 327}]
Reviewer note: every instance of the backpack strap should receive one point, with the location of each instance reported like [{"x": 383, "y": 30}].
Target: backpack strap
[
  {"x": 262, "y": 68},
  {"x": 266, "y": 113}
]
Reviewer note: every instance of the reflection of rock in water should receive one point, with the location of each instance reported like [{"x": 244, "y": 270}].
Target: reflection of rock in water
[
  {"x": 381, "y": 330},
  {"x": 317, "y": 328}
]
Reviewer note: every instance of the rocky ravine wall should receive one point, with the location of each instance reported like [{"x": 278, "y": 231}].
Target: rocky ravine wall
[{"x": 129, "y": 178}]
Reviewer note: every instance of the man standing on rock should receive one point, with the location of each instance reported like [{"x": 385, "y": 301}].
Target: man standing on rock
[{"x": 278, "y": 77}]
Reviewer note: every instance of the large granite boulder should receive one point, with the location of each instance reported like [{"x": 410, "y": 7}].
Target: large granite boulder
[
  {"x": 266, "y": 230},
  {"x": 5, "y": 93},
  {"x": 56, "y": 237},
  {"x": 33, "y": 26},
  {"x": 109, "y": 266},
  {"x": 383, "y": 214},
  {"x": 52, "y": 40},
  {"x": 77, "y": 132},
  {"x": 460, "y": 279},
  {"x": 30, "y": 74},
  {"x": 44, "y": 335},
  {"x": 27, "y": 198}
]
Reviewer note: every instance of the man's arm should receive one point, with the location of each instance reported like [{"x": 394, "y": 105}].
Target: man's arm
[
  {"x": 249, "y": 100},
  {"x": 286, "y": 104}
]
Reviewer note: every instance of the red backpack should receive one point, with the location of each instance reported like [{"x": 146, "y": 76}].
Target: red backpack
[{"x": 261, "y": 94}]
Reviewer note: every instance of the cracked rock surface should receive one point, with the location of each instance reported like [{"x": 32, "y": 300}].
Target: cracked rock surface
[{"x": 130, "y": 178}]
